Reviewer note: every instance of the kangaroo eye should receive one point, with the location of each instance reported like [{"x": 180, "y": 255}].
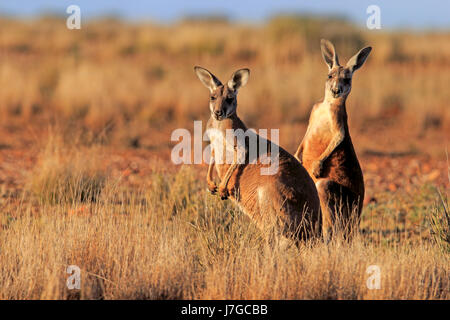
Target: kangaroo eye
[
  {"x": 346, "y": 80},
  {"x": 329, "y": 76},
  {"x": 229, "y": 99},
  {"x": 213, "y": 98}
]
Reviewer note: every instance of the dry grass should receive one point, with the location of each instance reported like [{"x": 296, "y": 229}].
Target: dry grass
[
  {"x": 67, "y": 174},
  {"x": 174, "y": 240},
  {"x": 439, "y": 221}
]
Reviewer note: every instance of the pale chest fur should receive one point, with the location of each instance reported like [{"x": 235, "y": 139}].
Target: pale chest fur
[
  {"x": 319, "y": 132},
  {"x": 223, "y": 151}
]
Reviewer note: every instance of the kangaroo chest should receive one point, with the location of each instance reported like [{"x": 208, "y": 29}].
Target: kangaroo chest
[
  {"x": 221, "y": 145},
  {"x": 320, "y": 131}
]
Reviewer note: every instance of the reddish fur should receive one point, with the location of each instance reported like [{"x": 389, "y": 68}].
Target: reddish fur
[
  {"x": 287, "y": 198},
  {"x": 341, "y": 168},
  {"x": 327, "y": 151},
  {"x": 291, "y": 189}
]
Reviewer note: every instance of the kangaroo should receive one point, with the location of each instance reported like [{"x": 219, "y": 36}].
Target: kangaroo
[
  {"x": 326, "y": 150},
  {"x": 286, "y": 198}
]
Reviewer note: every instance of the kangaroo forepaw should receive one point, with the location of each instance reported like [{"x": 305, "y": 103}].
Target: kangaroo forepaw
[
  {"x": 317, "y": 169},
  {"x": 212, "y": 188},
  {"x": 223, "y": 193}
]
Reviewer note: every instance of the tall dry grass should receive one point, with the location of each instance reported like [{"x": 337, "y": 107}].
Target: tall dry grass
[
  {"x": 68, "y": 174},
  {"x": 439, "y": 221},
  {"x": 173, "y": 240}
]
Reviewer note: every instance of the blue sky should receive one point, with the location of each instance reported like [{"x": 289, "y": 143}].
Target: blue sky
[{"x": 427, "y": 14}]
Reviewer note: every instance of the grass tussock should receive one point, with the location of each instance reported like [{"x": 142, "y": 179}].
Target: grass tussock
[
  {"x": 439, "y": 221},
  {"x": 67, "y": 175}
]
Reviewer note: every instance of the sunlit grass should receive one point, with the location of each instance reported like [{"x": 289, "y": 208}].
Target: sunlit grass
[{"x": 173, "y": 240}]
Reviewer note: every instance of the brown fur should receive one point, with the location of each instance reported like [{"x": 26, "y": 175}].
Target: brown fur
[
  {"x": 287, "y": 198},
  {"x": 341, "y": 176},
  {"x": 327, "y": 150}
]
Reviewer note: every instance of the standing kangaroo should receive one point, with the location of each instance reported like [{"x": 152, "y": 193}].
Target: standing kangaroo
[
  {"x": 327, "y": 151},
  {"x": 287, "y": 197}
]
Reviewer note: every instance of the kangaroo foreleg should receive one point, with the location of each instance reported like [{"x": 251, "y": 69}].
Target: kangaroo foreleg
[
  {"x": 212, "y": 187},
  {"x": 336, "y": 141}
]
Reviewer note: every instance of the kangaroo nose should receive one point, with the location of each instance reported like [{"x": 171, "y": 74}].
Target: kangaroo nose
[
  {"x": 336, "y": 90},
  {"x": 218, "y": 112}
]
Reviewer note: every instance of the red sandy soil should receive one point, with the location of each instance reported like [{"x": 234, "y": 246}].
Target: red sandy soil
[{"x": 383, "y": 171}]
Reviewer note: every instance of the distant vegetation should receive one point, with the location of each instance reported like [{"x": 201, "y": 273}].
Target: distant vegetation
[{"x": 111, "y": 72}]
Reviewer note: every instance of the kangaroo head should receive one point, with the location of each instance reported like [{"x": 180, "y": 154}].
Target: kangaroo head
[
  {"x": 222, "y": 101},
  {"x": 339, "y": 81}
]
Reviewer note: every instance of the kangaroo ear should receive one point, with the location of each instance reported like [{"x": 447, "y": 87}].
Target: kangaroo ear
[
  {"x": 207, "y": 78},
  {"x": 358, "y": 59},
  {"x": 329, "y": 53},
  {"x": 239, "y": 79}
]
